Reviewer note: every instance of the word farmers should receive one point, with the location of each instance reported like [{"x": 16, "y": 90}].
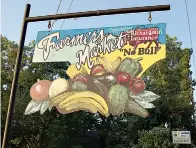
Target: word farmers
[{"x": 93, "y": 44}]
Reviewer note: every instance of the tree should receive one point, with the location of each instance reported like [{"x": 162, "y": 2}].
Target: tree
[{"x": 158, "y": 137}]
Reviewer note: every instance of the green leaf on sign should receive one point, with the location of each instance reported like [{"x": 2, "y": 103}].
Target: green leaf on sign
[
  {"x": 146, "y": 96},
  {"x": 33, "y": 107}
]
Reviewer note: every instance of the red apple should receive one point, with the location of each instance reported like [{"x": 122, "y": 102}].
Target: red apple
[
  {"x": 137, "y": 86},
  {"x": 40, "y": 90},
  {"x": 123, "y": 77},
  {"x": 80, "y": 78},
  {"x": 97, "y": 69}
]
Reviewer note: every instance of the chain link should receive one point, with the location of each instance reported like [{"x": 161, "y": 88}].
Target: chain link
[
  {"x": 49, "y": 25},
  {"x": 149, "y": 17}
]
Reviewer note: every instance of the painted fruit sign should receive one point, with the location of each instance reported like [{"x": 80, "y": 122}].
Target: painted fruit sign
[{"x": 105, "y": 72}]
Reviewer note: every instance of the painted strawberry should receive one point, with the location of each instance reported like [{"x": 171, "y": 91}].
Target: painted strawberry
[
  {"x": 80, "y": 78},
  {"x": 137, "y": 86},
  {"x": 123, "y": 77}
]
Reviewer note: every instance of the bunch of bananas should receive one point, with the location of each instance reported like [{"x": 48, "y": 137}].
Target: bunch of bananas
[{"x": 70, "y": 101}]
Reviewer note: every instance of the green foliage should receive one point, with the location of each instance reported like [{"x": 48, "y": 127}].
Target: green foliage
[
  {"x": 123, "y": 131},
  {"x": 158, "y": 137}
]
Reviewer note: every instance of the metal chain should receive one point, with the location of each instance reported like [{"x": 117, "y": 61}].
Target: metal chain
[
  {"x": 149, "y": 17},
  {"x": 49, "y": 26},
  {"x": 50, "y": 23}
]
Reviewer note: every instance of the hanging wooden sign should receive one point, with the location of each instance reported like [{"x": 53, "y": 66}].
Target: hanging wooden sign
[{"x": 105, "y": 75}]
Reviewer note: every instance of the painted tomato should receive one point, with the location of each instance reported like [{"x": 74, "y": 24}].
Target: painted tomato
[
  {"x": 137, "y": 86},
  {"x": 123, "y": 77},
  {"x": 40, "y": 90}
]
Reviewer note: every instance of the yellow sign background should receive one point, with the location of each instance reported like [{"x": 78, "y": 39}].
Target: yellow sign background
[{"x": 148, "y": 59}]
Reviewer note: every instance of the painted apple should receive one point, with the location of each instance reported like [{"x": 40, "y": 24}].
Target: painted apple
[
  {"x": 40, "y": 90},
  {"x": 137, "y": 86},
  {"x": 97, "y": 69},
  {"x": 80, "y": 78},
  {"x": 123, "y": 77}
]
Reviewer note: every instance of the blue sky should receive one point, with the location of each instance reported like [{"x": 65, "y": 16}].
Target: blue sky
[{"x": 12, "y": 14}]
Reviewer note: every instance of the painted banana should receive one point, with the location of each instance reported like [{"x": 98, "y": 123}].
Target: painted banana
[
  {"x": 85, "y": 104},
  {"x": 116, "y": 63},
  {"x": 83, "y": 70},
  {"x": 106, "y": 64},
  {"x": 81, "y": 106},
  {"x": 81, "y": 100},
  {"x": 88, "y": 97},
  {"x": 77, "y": 107},
  {"x": 87, "y": 94},
  {"x": 60, "y": 98},
  {"x": 136, "y": 109},
  {"x": 72, "y": 71}
]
